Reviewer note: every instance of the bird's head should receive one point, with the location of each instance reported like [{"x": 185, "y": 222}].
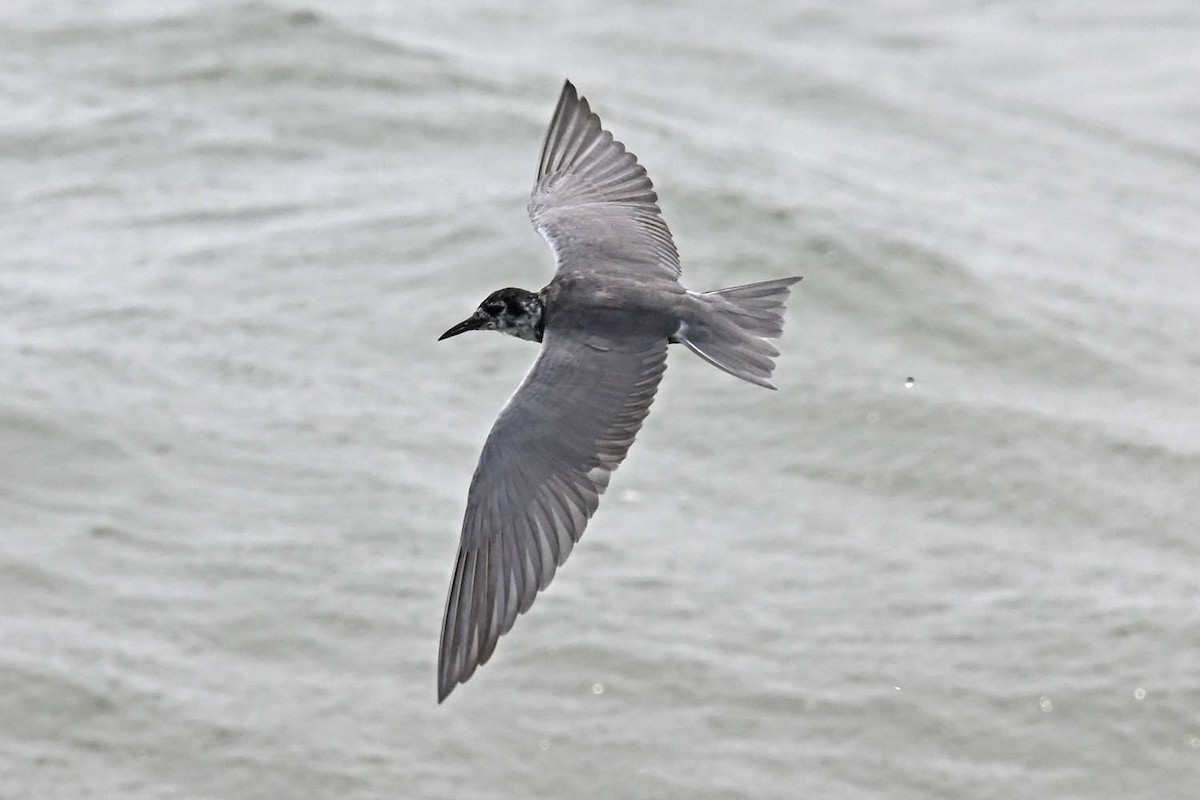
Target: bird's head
[{"x": 516, "y": 312}]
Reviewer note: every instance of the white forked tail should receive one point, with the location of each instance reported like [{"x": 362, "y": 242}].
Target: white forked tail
[{"x": 733, "y": 325}]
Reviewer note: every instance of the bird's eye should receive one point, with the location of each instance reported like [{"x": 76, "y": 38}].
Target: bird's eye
[{"x": 494, "y": 307}]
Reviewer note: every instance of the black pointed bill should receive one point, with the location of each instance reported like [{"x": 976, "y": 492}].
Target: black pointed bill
[{"x": 471, "y": 323}]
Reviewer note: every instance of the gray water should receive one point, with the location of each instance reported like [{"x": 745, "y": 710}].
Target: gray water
[{"x": 233, "y": 459}]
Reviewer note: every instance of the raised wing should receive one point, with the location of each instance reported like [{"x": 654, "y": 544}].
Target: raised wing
[
  {"x": 540, "y": 477},
  {"x": 593, "y": 201}
]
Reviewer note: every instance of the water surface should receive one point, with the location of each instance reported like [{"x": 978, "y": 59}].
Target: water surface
[{"x": 233, "y": 459}]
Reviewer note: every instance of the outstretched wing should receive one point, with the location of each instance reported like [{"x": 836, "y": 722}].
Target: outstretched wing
[
  {"x": 593, "y": 202},
  {"x": 540, "y": 477}
]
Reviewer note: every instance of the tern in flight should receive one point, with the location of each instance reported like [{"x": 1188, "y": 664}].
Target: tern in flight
[{"x": 604, "y": 322}]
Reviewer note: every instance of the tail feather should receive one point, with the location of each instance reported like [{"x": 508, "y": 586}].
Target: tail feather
[{"x": 731, "y": 330}]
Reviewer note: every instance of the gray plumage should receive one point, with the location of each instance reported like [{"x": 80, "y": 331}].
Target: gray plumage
[{"x": 605, "y": 321}]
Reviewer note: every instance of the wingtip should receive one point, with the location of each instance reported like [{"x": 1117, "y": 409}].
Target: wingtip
[
  {"x": 570, "y": 98},
  {"x": 569, "y": 93},
  {"x": 445, "y": 685}
]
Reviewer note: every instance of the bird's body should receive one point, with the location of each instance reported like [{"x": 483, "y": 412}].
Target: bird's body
[{"x": 605, "y": 320}]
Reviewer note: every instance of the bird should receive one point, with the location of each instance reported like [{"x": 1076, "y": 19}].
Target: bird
[{"x": 604, "y": 322}]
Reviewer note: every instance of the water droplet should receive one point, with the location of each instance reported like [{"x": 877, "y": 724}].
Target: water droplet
[
  {"x": 1194, "y": 742},
  {"x": 908, "y": 382},
  {"x": 1139, "y": 693},
  {"x": 1046, "y": 703},
  {"x": 597, "y": 688},
  {"x": 544, "y": 744},
  {"x": 897, "y": 688}
]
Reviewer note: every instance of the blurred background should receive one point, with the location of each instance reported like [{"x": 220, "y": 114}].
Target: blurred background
[{"x": 234, "y": 460}]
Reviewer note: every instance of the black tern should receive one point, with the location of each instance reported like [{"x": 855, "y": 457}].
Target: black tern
[{"x": 604, "y": 322}]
